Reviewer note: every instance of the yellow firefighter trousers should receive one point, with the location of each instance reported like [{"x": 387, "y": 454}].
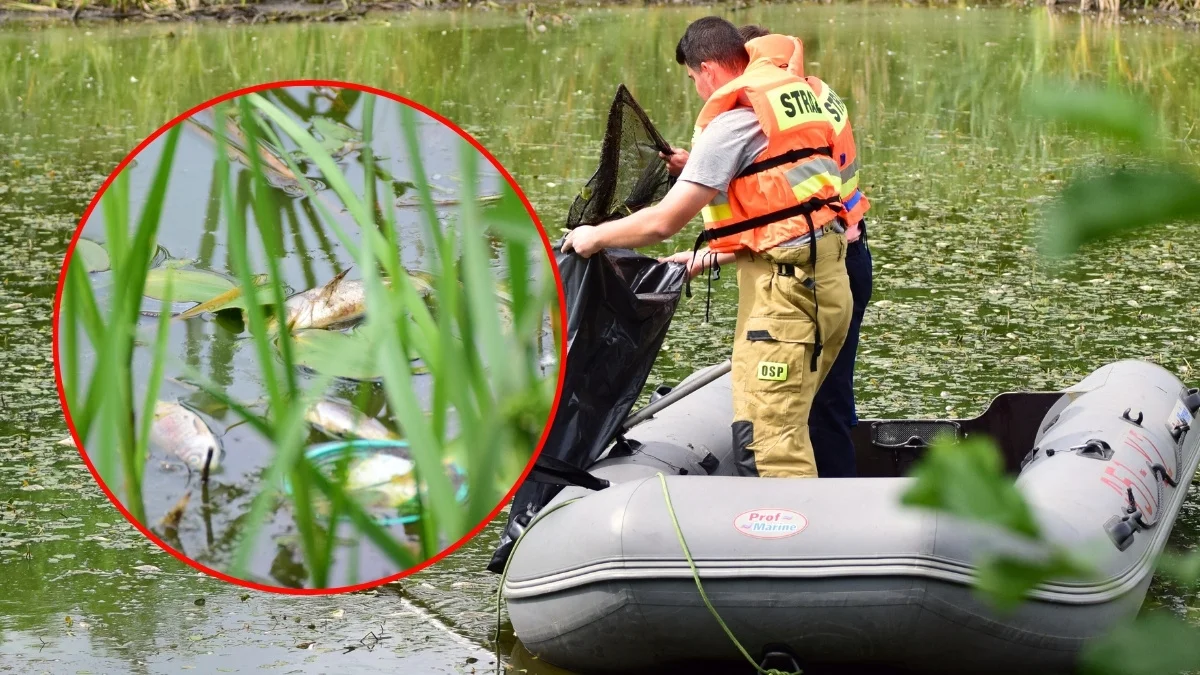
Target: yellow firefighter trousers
[{"x": 773, "y": 380}]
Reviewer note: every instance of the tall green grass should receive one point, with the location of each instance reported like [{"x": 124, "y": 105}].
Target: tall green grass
[
  {"x": 484, "y": 373},
  {"x": 103, "y": 408}
]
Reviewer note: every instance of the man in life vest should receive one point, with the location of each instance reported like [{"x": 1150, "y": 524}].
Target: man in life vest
[
  {"x": 833, "y": 412},
  {"x": 762, "y": 174}
]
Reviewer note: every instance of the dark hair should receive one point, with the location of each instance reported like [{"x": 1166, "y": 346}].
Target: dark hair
[
  {"x": 751, "y": 31},
  {"x": 711, "y": 39}
]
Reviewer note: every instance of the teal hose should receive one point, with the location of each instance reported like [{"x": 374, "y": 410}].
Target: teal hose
[{"x": 363, "y": 448}]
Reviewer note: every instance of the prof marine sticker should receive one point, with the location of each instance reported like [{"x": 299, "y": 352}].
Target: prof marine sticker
[{"x": 770, "y": 523}]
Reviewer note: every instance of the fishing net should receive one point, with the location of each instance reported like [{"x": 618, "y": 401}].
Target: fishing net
[
  {"x": 631, "y": 176},
  {"x": 619, "y": 307}
]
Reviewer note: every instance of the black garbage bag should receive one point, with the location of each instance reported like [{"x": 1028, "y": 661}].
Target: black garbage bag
[{"x": 619, "y": 306}]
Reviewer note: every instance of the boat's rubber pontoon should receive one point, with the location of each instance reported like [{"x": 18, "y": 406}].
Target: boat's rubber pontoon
[{"x": 837, "y": 570}]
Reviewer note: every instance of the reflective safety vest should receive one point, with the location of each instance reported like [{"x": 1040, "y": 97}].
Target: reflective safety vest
[
  {"x": 794, "y": 185},
  {"x": 787, "y": 52}
]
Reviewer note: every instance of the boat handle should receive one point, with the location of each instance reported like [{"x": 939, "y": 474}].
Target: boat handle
[
  {"x": 1161, "y": 472},
  {"x": 1192, "y": 400},
  {"x": 1093, "y": 449},
  {"x": 1121, "y": 529},
  {"x": 1125, "y": 416},
  {"x": 1178, "y": 432}
]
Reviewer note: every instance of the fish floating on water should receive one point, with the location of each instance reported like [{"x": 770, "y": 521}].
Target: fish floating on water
[
  {"x": 182, "y": 433},
  {"x": 343, "y": 421},
  {"x": 382, "y": 480},
  {"x": 338, "y": 302}
]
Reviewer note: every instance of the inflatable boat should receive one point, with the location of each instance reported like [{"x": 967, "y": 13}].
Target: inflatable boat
[{"x": 837, "y": 571}]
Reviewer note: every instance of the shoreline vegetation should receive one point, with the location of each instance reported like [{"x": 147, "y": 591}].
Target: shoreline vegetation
[{"x": 1182, "y": 13}]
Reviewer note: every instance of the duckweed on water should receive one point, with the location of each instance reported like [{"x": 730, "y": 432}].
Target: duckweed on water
[{"x": 958, "y": 178}]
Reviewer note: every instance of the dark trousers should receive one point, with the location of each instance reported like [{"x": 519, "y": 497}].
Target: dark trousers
[{"x": 833, "y": 411}]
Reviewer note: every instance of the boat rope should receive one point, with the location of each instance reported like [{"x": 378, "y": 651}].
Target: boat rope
[
  {"x": 700, "y": 587},
  {"x": 504, "y": 574}
]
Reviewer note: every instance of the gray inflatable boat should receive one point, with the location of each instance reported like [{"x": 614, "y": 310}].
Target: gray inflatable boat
[{"x": 836, "y": 571}]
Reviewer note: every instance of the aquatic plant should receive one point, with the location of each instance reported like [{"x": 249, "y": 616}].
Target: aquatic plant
[
  {"x": 483, "y": 352},
  {"x": 102, "y": 405}
]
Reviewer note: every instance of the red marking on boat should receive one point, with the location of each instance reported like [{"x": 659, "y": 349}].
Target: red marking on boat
[
  {"x": 1112, "y": 485},
  {"x": 1129, "y": 442},
  {"x": 1149, "y": 442},
  {"x": 1130, "y": 484}
]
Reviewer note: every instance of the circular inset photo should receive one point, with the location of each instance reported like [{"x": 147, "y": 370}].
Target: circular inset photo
[{"x": 307, "y": 337}]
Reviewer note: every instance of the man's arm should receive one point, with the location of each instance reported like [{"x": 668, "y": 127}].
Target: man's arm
[{"x": 648, "y": 226}]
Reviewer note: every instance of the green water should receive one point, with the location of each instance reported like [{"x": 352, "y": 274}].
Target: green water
[{"x": 963, "y": 308}]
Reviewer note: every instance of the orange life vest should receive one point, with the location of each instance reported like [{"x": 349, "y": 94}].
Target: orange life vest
[
  {"x": 794, "y": 185},
  {"x": 787, "y": 52}
]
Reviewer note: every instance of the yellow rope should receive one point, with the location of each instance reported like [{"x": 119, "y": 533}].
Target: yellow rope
[
  {"x": 686, "y": 554},
  {"x": 704, "y": 596}
]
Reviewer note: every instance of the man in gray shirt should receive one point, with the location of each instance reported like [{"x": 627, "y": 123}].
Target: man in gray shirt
[{"x": 778, "y": 356}]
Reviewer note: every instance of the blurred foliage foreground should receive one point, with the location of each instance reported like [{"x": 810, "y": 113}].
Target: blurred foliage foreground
[{"x": 967, "y": 480}]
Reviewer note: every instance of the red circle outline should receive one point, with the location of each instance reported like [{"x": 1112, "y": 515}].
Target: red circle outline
[{"x": 562, "y": 304}]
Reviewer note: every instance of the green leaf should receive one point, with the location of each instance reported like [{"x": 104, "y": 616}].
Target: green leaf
[
  {"x": 1184, "y": 569},
  {"x": 352, "y": 355},
  {"x": 1124, "y": 202},
  {"x": 1104, "y": 111},
  {"x": 1153, "y": 645},
  {"x": 1005, "y": 580},
  {"x": 334, "y": 132},
  {"x": 508, "y": 219},
  {"x": 186, "y": 285},
  {"x": 967, "y": 480},
  {"x": 233, "y": 299},
  {"x": 93, "y": 255}
]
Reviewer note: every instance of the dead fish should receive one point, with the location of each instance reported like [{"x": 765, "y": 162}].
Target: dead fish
[
  {"x": 277, "y": 171},
  {"x": 382, "y": 481},
  {"x": 385, "y": 480},
  {"x": 338, "y": 301},
  {"x": 182, "y": 433},
  {"x": 343, "y": 421}
]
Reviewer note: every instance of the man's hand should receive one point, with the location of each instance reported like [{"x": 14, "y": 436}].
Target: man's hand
[
  {"x": 675, "y": 160},
  {"x": 695, "y": 265},
  {"x": 584, "y": 240},
  {"x": 704, "y": 260}
]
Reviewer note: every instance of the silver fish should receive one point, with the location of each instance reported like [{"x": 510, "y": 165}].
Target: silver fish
[
  {"x": 337, "y": 302},
  {"x": 343, "y": 421},
  {"x": 382, "y": 481},
  {"x": 182, "y": 433}
]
